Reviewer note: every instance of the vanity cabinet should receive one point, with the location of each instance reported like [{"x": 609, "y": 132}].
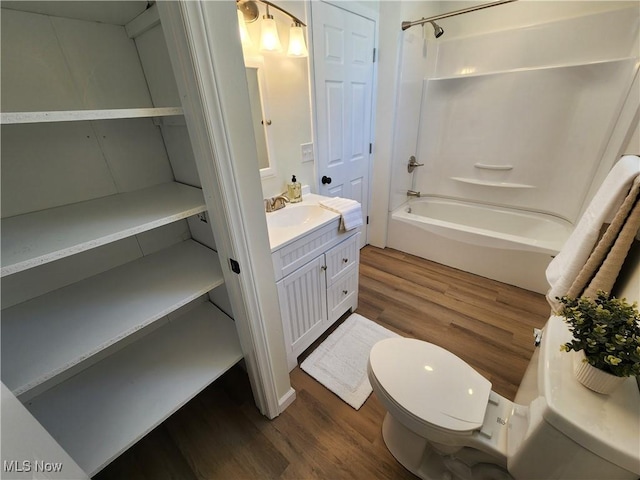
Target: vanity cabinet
[
  {"x": 109, "y": 263},
  {"x": 317, "y": 280}
]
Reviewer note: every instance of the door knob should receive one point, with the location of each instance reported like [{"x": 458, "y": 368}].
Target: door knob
[{"x": 326, "y": 180}]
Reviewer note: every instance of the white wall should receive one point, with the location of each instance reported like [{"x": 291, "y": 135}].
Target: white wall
[{"x": 633, "y": 147}]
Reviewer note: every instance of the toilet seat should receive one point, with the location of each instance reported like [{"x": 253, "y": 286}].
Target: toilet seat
[{"x": 430, "y": 383}]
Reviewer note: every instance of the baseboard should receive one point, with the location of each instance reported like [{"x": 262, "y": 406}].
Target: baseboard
[{"x": 286, "y": 400}]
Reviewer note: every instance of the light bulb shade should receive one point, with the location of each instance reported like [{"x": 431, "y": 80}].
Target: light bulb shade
[
  {"x": 244, "y": 33},
  {"x": 297, "y": 45},
  {"x": 269, "y": 40}
]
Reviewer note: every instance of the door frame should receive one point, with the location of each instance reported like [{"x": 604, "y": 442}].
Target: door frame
[
  {"x": 356, "y": 8},
  {"x": 206, "y": 54}
]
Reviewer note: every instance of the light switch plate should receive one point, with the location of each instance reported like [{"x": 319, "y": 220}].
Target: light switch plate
[{"x": 307, "y": 152}]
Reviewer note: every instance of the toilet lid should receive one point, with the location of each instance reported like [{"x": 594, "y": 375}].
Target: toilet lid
[{"x": 431, "y": 383}]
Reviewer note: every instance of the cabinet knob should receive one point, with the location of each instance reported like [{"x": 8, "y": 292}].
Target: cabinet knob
[
  {"x": 323, "y": 268},
  {"x": 345, "y": 291},
  {"x": 345, "y": 260}
]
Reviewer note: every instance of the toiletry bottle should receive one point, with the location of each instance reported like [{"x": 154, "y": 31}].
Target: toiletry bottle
[{"x": 294, "y": 190}]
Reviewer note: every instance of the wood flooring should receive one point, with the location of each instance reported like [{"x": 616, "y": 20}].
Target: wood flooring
[{"x": 221, "y": 435}]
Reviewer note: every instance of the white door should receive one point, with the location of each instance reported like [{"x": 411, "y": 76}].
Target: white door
[{"x": 343, "y": 56}]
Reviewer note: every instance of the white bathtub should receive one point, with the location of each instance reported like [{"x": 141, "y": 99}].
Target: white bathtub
[
  {"x": 487, "y": 225},
  {"x": 508, "y": 245}
]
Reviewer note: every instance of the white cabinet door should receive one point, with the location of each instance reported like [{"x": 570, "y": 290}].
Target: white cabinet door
[{"x": 303, "y": 303}]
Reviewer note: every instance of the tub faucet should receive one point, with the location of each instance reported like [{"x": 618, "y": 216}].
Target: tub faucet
[
  {"x": 275, "y": 203},
  {"x": 413, "y": 164},
  {"x": 411, "y": 193}
]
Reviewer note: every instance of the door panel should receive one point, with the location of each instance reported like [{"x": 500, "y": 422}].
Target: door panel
[{"x": 343, "y": 69}]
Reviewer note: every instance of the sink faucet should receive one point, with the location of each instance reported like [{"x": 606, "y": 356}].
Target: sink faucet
[
  {"x": 411, "y": 193},
  {"x": 275, "y": 203}
]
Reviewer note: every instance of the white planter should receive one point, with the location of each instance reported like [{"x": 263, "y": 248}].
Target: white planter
[{"x": 594, "y": 378}]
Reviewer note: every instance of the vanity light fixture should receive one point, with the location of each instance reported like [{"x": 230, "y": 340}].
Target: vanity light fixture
[
  {"x": 269, "y": 39},
  {"x": 297, "y": 45}
]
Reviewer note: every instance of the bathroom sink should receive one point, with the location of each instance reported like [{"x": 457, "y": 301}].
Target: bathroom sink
[
  {"x": 293, "y": 216},
  {"x": 295, "y": 220}
]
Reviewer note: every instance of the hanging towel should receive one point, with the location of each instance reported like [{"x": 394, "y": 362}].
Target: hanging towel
[
  {"x": 350, "y": 211},
  {"x": 602, "y": 269},
  {"x": 567, "y": 265}
]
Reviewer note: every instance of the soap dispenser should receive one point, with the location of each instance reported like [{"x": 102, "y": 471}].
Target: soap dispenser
[{"x": 294, "y": 190}]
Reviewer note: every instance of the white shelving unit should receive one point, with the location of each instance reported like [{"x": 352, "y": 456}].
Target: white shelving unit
[
  {"x": 50, "y": 338},
  {"x": 13, "y": 118},
  {"x": 40, "y": 237},
  {"x": 99, "y": 413},
  {"x": 123, "y": 335}
]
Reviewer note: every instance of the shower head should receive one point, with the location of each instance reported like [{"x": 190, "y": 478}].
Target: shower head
[{"x": 437, "y": 29}]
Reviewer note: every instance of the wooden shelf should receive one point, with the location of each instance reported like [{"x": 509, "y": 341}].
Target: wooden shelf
[
  {"x": 12, "y": 118},
  {"x": 99, "y": 413},
  {"x": 40, "y": 237},
  {"x": 52, "y": 337}
]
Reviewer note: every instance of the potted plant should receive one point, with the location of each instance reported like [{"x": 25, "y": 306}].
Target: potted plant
[{"x": 606, "y": 334}]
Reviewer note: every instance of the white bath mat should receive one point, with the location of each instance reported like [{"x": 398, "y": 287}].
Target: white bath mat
[{"x": 340, "y": 362}]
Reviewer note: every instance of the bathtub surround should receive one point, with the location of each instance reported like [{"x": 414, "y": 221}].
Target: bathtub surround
[
  {"x": 479, "y": 146},
  {"x": 340, "y": 362},
  {"x": 614, "y": 193}
]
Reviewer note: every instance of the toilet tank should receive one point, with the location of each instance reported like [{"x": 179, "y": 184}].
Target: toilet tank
[{"x": 566, "y": 431}]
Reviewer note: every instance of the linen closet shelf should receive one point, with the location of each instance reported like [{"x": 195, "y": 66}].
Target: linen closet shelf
[
  {"x": 40, "y": 237},
  {"x": 56, "y": 334},
  {"x": 109, "y": 263},
  {"x": 14, "y": 118}
]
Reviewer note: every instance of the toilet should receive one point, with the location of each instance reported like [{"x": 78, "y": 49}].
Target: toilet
[{"x": 444, "y": 422}]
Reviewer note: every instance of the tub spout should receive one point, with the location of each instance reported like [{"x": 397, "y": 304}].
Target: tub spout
[{"x": 411, "y": 193}]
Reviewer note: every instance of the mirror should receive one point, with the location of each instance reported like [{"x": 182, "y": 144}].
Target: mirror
[
  {"x": 260, "y": 117},
  {"x": 282, "y": 96}
]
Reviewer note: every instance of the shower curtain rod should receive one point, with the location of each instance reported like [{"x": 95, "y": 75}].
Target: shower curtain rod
[{"x": 423, "y": 20}]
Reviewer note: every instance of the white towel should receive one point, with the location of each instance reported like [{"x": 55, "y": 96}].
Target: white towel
[
  {"x": 566, "y": 266},
  {"x": 350, "y": 211}
]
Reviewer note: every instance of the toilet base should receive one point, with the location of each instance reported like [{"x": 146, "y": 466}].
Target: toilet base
[{"x": 418, "y": 456}]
